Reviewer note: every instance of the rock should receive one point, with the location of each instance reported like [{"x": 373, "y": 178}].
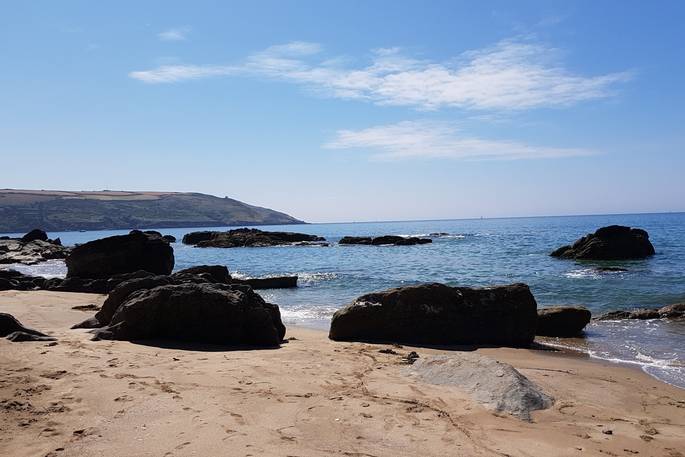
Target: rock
[
  {"x": 120, "y": 294},
  {"x": 439, "y": 314},
  {"x": 496, "y": 385},
  {"x": 276, "y": 282},
  {"x": 640, "y": 314},
  {"x": 30, "y": 253},
  {"x": 673, "y": 311},
  {"x": 18, "y": 337},
  {"x": 611, "y": 269},
  {"x": 121, "y": 254},
  {"x": 10, "y": 325},
  {"x": 14, "y": 280},
  {"x": 92, "y": 285},
  {"x": 199, "y": 313},
  {"x": 217, "y": 273},
  {"x": 615, "y": 242},
  {"x": 562, "y": 321},
  {"x": 35, "y": 234},
  {"x": 384, "y": 240},
  {"x": 169, "y": 238},
  {"x": 245, "y": 237}
]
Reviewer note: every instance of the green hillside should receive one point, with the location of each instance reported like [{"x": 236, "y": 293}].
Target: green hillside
[{"x": 23, "y": 210}]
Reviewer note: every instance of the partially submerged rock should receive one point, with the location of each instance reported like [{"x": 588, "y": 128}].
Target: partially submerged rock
[
  {"x": 562, "y": 321},
  {"x": 615, "y": 242},
  {"x": 121, "y": 254},
  {"x": 384, "y": 240},
  {"x": 675, "y": 311},
  {"x": 496, "y": 385},
  {"x": 11, "y": 328},
  {"x": 440, "y": 314},
  {"x": 245, "y": 237},
  {"x": 199, "y": 313}
]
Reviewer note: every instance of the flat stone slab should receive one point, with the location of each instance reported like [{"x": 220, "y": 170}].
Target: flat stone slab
[{"x": 496, "y": 385}]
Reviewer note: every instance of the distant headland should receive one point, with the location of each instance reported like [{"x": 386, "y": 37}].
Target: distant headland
[{"x": 22, "y": 210}]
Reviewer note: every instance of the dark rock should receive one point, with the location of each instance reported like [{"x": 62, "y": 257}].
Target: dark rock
[
  {"x": 14, "y": 280},
  {"x": 120, "y": 294},
  {"x": 169, "y": 238},
  {"x": 201, "y": 313},
  {"x": 384, "y": 240},
  {"x": 641, "y": 314},
  {"x": 615, "y": 242},
  {"x": 562, "y": 321},
  {"x": 18, "y": 337},
  {"x": 121, "y": 254},
  {"x": 35, "y": 234},
  {"x": 90, "y": 285},
  {"x": 276, "y": 282},
  {"x": 217, "y": 273},
  {"x": 9, "y": 324},
  {"x": 245, "y": 237},
  {"x": 439, "y": 314}
]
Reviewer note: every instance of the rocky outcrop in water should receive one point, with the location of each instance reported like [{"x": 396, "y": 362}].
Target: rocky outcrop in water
[
  {"x": 440, "y": 314},
  {"x": 675, "y": 311},
  {"x": 32, "y": 248},
  {"x": 562, "y": 321},
  {"x": 121, "y": 254},
  {"x": 384, "y": 240},
  {"x": 12, "y": 329},
  {"x": 245, "y": 237},
  {"x": 197, "y": 313},
  {"x": 614, "y": 242},
  {"x": 497, "y": 386}
]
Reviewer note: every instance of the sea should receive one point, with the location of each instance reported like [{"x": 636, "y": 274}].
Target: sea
[{"x": 471, "y": 252}]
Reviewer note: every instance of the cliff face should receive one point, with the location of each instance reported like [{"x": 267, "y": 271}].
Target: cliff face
[{"x": 23, "y": 210}]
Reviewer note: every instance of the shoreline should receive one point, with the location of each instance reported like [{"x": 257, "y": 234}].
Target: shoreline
[{"x": 310, "y": 397}]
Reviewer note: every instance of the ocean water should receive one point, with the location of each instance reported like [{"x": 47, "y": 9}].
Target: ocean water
[{"x": 475, "y": 252}]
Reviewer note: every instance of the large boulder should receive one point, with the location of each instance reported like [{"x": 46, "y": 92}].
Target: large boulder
[
  {"x": 121, "y": 254},
  {"x": 562, "y": 321},
  {"x": 245, "y": 237},
  {"x": 440, "y": 314},
  {"x": 615, "y": 242},
  {"x": 198, "y": 313},
  {"x": 384, "y": 240}
]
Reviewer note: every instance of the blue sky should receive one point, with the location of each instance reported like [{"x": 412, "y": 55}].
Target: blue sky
[{"x": 355, "y": 110}]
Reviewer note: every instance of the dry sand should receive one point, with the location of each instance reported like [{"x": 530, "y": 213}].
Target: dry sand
[{"x": 311, "y": 397}]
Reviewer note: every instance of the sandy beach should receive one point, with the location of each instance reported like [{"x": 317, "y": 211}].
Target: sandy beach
[{"x": 311, "y": 397}]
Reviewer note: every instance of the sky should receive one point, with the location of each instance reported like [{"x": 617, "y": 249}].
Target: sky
[{"x": 351, "y": 110}]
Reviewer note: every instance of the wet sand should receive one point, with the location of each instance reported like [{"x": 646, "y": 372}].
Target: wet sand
[{"x": 311, "y": 397}]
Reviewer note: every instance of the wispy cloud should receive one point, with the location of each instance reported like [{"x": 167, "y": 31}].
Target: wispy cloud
[
  {"x": 513, "y": 74},
  {"x": 425, "y": 139},
  {"x": 175, "y": 34},
  {"x": 175, "y": 73}
]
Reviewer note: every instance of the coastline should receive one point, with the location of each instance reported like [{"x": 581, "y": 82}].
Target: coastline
[{"x": 310, "y": 397}]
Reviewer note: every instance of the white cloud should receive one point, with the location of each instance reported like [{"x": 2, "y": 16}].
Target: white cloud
[
  {"x": 425, "y": 139},
  {"x": 175, "y": 34},
  {"x": 175, "y": 73},
  {"x": 511, "y": 75}
]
